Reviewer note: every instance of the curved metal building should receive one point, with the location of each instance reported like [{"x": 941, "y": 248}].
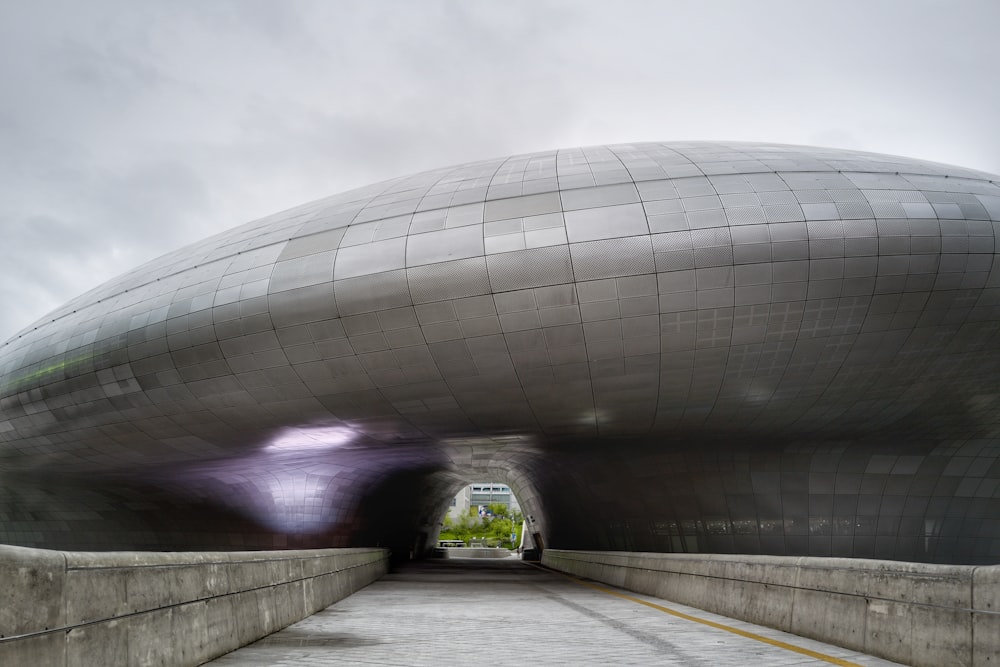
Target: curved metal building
[{"x": 709, "y": 347}]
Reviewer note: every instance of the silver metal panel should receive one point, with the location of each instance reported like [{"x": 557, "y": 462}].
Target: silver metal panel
[
  {"x": 520, "y": 207},
  {"x": 374, "y": 257},
  {"x": 302, "y": 271},
  {"x": 371, "y": 293},
  {"x": 605, "y": 222},
  {"x": 305, "y": 304},
  {"x": 307, "y": 245},
  {"x": 448, "y": 280},
  {"x": 612, "y": 258},
  {"x": 445, "y": 245},
  {"x": 530, "y": 268},
  {"x": 596, "y": 197}
]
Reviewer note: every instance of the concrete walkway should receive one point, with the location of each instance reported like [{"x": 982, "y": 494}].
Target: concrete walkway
[{"x": 490, "y": 612}]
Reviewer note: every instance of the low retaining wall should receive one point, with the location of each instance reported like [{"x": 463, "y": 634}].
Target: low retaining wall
[
  {"x": 475, "y": 552},
  {"x": 139, "y": 608},
  {"x": 918, "y": 614}
]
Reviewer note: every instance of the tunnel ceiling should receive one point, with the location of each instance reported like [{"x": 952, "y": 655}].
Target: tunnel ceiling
[{"x": 598, "y": 326}]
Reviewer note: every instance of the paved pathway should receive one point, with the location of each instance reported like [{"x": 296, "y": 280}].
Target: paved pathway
[{"x": 493, "y": 612}]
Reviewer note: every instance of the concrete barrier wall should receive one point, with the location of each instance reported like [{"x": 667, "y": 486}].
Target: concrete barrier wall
[
  {"x": 475, "y": 552},
  {"x": 139, "y": 608},
  {"x": 917, "y": 614}
]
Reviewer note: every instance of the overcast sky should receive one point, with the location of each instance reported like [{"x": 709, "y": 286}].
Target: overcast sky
[{"x": 129, "y": 129}]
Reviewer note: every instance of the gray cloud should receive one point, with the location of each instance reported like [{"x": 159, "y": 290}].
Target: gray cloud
[{"x": 131, "y": 129}]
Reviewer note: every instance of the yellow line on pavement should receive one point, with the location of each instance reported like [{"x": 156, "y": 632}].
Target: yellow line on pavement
[{"x": 712, "y": 624}]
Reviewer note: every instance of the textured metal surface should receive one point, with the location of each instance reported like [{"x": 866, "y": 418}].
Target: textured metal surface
[{"x": 698, "y": 346}]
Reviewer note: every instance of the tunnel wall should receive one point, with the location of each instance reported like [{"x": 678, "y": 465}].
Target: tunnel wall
[
  {"x": 918, "y": 614},
  {"x": 913, "y": 501},
  {"x": 132, "y": 608}
]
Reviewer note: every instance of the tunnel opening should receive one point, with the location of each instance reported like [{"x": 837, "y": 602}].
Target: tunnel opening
[
  {"x": 411, "y": 505},
  {"x": 482, "y": 515}
]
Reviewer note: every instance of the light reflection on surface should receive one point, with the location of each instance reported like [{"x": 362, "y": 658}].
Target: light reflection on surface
[
  {"x": 308, "y": 439},
  {"x": 297, "y": 502}
]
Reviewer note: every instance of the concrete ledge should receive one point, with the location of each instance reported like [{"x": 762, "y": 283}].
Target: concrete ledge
[
  {"x": 918, "y": 614},
  {"x": 137, "y": 608},
  {"x": 475, "y": 552}
]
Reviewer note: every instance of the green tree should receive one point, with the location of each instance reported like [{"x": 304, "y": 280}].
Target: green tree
[
  {"x": 501, "y": 528},
  {"x": 496, "y": 529},
  {"x": 464, "y": 528},
  {"x": 499, "y": 510}
]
